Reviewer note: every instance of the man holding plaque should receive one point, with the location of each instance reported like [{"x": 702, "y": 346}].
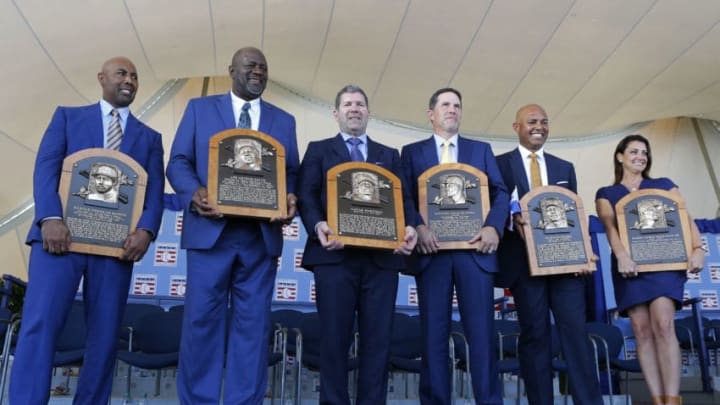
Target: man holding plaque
[
  {"x": 54, "y": 273},
  {"x": 232, "y": 262},
  {"x": 350, "y": 279},
  {"x": 470, "y": 272},
  {"x": 523, "y": 168}
]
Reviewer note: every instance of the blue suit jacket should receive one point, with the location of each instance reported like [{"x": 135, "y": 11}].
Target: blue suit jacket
[
  {"x": 420, "y": 156},
  {"x": 320, "y": 157},
  {"x": 76, "y": 128},
  {"x": 188, "y": 166},
  {"x": 513, "y": 257}
]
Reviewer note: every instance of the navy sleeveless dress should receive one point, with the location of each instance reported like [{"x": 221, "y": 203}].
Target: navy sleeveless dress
[{"x": 644, "y": 288}]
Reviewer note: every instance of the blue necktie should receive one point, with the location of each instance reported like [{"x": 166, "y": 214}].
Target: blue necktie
[
  {"x": 355, "y": 153},
  {"x": 244, "y": 120}
]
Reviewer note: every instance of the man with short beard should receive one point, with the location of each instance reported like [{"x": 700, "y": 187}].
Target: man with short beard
[
  {"x": 231, "y": 262},
  {"x": 55, "y": 273},
  {"x": 535, "y": 296}
]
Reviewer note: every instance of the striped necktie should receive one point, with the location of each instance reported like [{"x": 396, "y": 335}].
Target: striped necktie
[{"x": 114, "y": 134}]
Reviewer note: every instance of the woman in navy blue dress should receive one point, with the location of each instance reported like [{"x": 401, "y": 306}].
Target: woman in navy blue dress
[{"x": 649, "y": 299}]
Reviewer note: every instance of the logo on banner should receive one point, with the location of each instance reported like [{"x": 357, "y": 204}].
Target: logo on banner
[
  {"x": 166, "y": 254},
  {"x": 709, "y": 299},
  {"x": 286, "y": 290},
  {"x": 412, "y": 295},
  {"x": 297, "y": 259},
  {"x": 312, "y": 291},
  {"x": 178, "y": 222},
  {"x": 714, "y": 272},
  {"x": 292, "y": 230},
  {"x": 177, "y": 286},
  {"x": 145, "y": 284}
]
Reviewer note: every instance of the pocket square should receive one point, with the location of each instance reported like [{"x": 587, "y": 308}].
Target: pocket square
[
  {"x": 562, "y": 182},
  {"x": 379, "y": 163}
]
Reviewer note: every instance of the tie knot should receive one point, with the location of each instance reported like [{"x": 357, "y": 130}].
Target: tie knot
[
  {"x": 246, "y": 106},
  {"x": 114, "y": 113},
  {"x": 354, "y": 141}
]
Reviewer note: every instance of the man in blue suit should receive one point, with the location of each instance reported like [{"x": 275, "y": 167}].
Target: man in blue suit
[
  {"x": 536, "y": 296},
  {"x": 350, "y": 279},
  {"x": 469, "y": 272},
  {"x": 54, "y": 274},
  {"x": 231, "y": 261}
]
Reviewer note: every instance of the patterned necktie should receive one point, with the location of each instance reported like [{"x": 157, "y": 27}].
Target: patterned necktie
[
  {"x": 535, "y": 179},
  {"x": 114, "y": 134},
  {"x": 355, "y": 153},
  {"x": 244, "y": 120},
  {"x": 445, "y": 156}
]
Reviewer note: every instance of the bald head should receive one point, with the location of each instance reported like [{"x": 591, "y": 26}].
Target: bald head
[
  {"x": 119, "y": 80},
  {"x": 532, "y": 127},
  {"x": 249, "y": 73}
]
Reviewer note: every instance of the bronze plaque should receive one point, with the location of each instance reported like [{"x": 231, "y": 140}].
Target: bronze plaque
[
  {"x": 246, "y": 174},
  {"x": 102, "y": 193},
  {"x": 654, "y": 228},
  {"x": 556, "y": 232},
  {"x": 365, "y": 206},
  {"x": 454, "y": 201}
]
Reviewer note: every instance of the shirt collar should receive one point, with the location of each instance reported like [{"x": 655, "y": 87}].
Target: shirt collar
[
  {"x": 439, "y": 140},
  {"x": 106, "y": 107},
  {"x": 238, "y": 102},
  {"x": 525, "y": 153},
  {"x": 362, "y": 137}
]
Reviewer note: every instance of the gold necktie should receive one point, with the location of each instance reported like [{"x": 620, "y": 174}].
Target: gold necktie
[
  {"x": 445, "y": 156},
  {"x": 535, "y": 179}
]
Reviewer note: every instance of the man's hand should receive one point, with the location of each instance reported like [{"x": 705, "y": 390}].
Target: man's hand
[
  {"x": 291, "y": 210},
  {"x": 322, "y": 230},
  {"x": 408, "y": 244},
  {"x": 427, "y": 242},
  {"x": 203, "y": 208},
  {"x": 587, "y": 271},
  {"x": 487, "y": 240},
  {"x": 55, "y": 236},
  {"x": 136, "y": 245},
  {"x": 518, "y": 224}
]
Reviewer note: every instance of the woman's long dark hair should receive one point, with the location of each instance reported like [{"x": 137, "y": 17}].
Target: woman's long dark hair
[{"x": 621, "y": 149}]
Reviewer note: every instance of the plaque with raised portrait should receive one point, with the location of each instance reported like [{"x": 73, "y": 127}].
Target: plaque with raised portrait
[
  {"x": 365, "y": 206},
  {"x": 102, "y": 192},
  {"x": 654, "y": 228},
  {"x": 556, "y": 232},
  {"x": 246, "y": 174},
  {"x": 454, "y": 202}
]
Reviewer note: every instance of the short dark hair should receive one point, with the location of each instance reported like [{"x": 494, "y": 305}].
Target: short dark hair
[
  {"x": 621, "y": 149},
  {"x": 351, "y": 88},
  {"x": 434, "y": 97}
]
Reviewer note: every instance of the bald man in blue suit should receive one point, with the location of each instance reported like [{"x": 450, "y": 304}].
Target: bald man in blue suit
[
  {"x": 231, "y": 261},
  {"x": 469, "y": 271},
  {"x": 55, "y": 274}
]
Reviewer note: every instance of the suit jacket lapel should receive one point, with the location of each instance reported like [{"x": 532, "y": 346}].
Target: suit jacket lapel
[
  {"x": 465, "y": 151},
  {"x": 549, "y": 166},
  {"x": 130, "y": 136},
  {"x": 95, "y": 125},
  {"x": 224, "y": 106},
  {"x": 429, "y": 152},
  {"x": 374, "y": 153},
  {"x": 266, "y": 117},
  {"x": 338, "y": 147},
  {"x": 518, "y": 167}
]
